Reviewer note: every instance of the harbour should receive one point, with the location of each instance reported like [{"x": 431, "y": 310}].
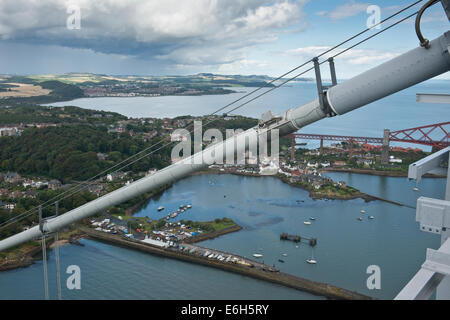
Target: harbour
[
  {"x": 263, "y": 217},
  {"x": 195, "y": 254}
]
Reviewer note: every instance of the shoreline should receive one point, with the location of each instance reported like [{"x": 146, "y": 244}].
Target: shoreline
[
  {"x": 131, "y": 211},
  {"x": 213, "y": 235},
  {"x": 284, "y": 279},
  {"x": 312, "y": 194},
  {"x": 29, "y": 257},
  {"x": 370, "y": 172},
  {"x": 32, "y": 254},
  {"x": 24, "y": 260}
]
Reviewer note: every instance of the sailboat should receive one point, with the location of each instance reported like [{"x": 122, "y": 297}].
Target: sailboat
[
  {"x": 259, "y": 253},
  {"x": 312, "y": 260}
]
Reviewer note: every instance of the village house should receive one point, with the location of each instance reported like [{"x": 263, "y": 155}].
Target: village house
[
  {"x": 30, "y": 194},
  {"x": 116, "y": 176},
  {"x": 10, "y": 206},
  {"x": 316, "y": 181},
  {"x": 13, "y": 177},
  {"x": 365, "y": 162},
  {"x": 102, "y": 156},
  {"x": 54, "y": 184},
  {"x": 9, "y": 132},
  {"x": 15, "y": 194},
  {"x": 342, "y": 184},
  {"x": 392, "y": 159},
  {"x": 4, "y": 192},
  {"x": 178, "y": 137},
  {"x": 312, "y": 164},
  {"x": 339, "y": 163},
  {"x": 149, "y": 135},
  {"x": 95, "y": 189}
]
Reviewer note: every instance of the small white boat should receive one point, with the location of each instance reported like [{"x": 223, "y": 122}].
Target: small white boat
[
  {"x": 371, "y": 217},
  {"x": 312, "y": 219},
  {"x": 363, "y": 211},
  {"x": 160, "y": 208},
  {"x": 257, "y": 255},
  {"x": 189, "y": 206},
  {"x": 307, "y": 223},
  {"x": 312, "y": 260},
  {"x": 284, "y": 254},
  {"x": 416, "y": 189}
]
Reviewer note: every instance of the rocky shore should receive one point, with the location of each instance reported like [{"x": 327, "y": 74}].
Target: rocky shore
[{"x": 30, "y": 252}]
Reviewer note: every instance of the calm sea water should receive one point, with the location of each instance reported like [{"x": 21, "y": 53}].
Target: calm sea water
[
  {"x": 396, "y": 112},
  {"x": 265, "y": 207}
]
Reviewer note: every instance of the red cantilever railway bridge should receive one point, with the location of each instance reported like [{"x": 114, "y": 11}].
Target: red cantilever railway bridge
[{"x": 435, "y": 135}]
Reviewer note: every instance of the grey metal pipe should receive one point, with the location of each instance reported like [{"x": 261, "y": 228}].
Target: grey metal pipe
[{"x": 404, "y": 71}]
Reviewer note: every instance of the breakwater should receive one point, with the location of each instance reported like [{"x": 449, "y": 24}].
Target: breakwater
[
  {"x": 212, "y": 235},
  {"x": 287, "y": 280},
  {"x": 394, "y": 174}
]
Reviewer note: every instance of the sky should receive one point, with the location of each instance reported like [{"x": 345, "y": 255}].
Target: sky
[{"x": 173, "y": 37}]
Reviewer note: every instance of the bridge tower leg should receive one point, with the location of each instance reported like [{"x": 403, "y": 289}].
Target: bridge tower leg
[
  {"x": 350, "y": 149},
  {"x": 292, "y": 148},
  {"x": 385, "y": 147},
  {"x": 321, "y": 146}
]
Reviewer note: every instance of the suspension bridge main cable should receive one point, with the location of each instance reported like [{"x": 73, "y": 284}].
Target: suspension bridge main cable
[{"x": 77, "y": 189}]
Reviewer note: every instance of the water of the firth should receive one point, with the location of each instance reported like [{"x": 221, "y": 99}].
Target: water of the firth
[
  {"x": 396, "y": 112},
  {"x": 265, "y": 207}
]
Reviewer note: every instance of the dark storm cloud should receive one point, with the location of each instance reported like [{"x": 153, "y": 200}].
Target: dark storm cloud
[{"x": 188, "y": 32}]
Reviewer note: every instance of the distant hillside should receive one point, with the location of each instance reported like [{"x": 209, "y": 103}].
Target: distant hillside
[{"x": 37, "y": 91}]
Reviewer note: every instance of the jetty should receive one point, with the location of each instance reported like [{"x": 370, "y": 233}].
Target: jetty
[
  {"x": 245, "y": 267},
  {"x": 289, "y": 237}
]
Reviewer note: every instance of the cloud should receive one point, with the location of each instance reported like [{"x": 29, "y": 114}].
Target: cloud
[
  {"x": 194, "y": 32},
  {"x": 344, "y": 11},
  {"x": 352, "y": 56}
]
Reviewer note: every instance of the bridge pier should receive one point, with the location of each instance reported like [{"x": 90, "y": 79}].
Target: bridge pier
[
  {"x": 292, "y": 147},
  {"x": 350, "y": 149},
  {"x": 321, "y": 146},
  {"x": 385, "y": 147}
]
